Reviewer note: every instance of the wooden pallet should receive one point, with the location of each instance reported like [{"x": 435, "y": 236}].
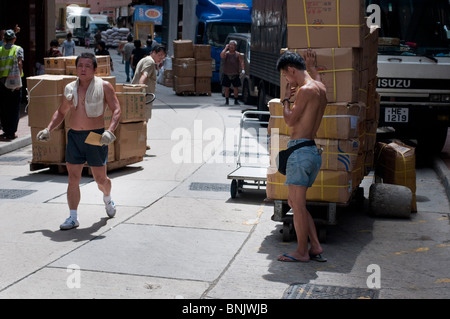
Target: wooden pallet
[{"x": 60, "y": 168}]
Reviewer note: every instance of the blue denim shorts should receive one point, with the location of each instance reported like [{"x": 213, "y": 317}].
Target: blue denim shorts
[
  {"x": 303, "y": 165},
  {"x": 78, "y": 152}
]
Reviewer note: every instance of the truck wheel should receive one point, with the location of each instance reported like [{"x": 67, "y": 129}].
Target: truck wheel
[
  {"x": 246, "y": 97},
  {"x": 262, "y": 106},
  {"x": 433, "y": 140}
]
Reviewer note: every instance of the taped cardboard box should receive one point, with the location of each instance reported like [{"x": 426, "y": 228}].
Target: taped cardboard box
[
  {"x": 131, "y": 140},
  {"x": 331, "y": 186},
  {"x": 339, "y": 69},
  {"x": 339, "y": 155},
  {"x": 203, "y": 85},
  {"x": 342, "y": 121},
  {"x": 183, "y": 84},
  {"x": 103, "y": 65},
  {"x": 183, "y": 48},
  {"x": 45, "y": 96},
  {"x": 55, "y": 65},
  {"x": 325, "y": 24},
  {"x": 202, "y": 52},
  {"x": 395, "y": 163},
  {"x": 275, "y": 188},
  {"x": 276, "y": 120},
  {"x": 132, "y": 102},
  {"x": 203, "y": 68},
  {"x": 184, "y": 67},
  {"x": 52, "y": 151}
]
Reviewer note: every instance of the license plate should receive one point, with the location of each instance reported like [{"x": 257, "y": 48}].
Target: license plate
[{"x": 396, "y": 114}]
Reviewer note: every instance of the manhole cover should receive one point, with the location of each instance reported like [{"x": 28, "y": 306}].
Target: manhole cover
[
  {"x": 15, "y": 193},
  {"x": 211, "y": 187},
  {"x": 309, "y": 291}
]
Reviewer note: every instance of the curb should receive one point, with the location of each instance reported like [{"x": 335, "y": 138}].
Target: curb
[
  {"x": 15, "y": 145},
  {"x": 444, "y": 174}
]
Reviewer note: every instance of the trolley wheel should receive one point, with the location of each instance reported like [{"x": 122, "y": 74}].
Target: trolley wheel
[
  {"x": 240, "y": 186},
  {"x": 233, "y": 188}
]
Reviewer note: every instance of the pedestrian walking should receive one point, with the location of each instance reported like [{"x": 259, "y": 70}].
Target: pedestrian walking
[
  {"x": 11, "y": 73},
  {"x": 101, "y": 50},
  {"x": 53, "y": 52},
  {"x": 68, "y": 46},
  {"x": 86, "y": 99},
  {"x": 303, "y": 165},
  {"x": 232, "y": 60},
  {"x": 137, "y": 54},
  {"x": 146, "y": 73},
  {"x": 127, "y": 49}
]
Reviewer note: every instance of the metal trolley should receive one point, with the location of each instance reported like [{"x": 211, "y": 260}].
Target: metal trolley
[{"x": 248, "y": 175}]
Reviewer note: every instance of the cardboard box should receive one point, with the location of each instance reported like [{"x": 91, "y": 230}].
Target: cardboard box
[
  {"x": 184, "y": 67},
  {"x": 202, "y": 52},
  {"x": 396, "y": 164},
  {"x": 276, "y": 120},
  {"x": 331, "y": 186},
  {"x": 342, "y": 121},
  {"x": 203, "y": 69},
  {"x": 275, "y": 188},
  {"x": 183, "y": 48},
  {"x": 52, "y": 151},
  {"x": 132, "y": 102},
  {"x": 339, "y": 155},
  {"x": 203, "y": 85},
  {"x": 325, "y": 24},
  {"x": 55, "y": 65},
  {"x": 131, "y": 140},
  {"x": 183, "y": 84},
  {"x": 46, "y": 94},
  {"x": 339, "y": 69}
]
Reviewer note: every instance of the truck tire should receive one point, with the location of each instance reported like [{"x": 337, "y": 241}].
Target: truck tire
[
  {"x": 262, "y": 105},
  {"x": 246, "y": 97}
]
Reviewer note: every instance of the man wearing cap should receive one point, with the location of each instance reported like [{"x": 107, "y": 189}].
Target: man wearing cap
[{"x": 10, "y": 101}]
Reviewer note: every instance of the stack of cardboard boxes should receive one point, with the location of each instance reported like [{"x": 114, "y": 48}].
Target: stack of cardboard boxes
[
  {"x": 66, "y": 65},
  {"x": 45, "y": 96},
  {"x": 346, "y": 51},
  {"x": 191, "y": 68}
]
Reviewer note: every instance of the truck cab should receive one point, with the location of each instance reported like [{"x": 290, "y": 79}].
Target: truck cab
[
  {"x": 414, "y": 70},
  {"x": 217, "y": 19}
]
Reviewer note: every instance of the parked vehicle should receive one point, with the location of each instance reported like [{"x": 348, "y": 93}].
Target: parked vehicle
[
  {"x": 414, "y": 70},
  {"x": 218, "y": 18},
  {"x": 243, "y": 47},
  {"x": 79, "y": 21}
]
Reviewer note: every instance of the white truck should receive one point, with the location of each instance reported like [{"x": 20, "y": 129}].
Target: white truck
[
  {"x": 414, "y": 70},
  {"x": 79, "y": 20}
]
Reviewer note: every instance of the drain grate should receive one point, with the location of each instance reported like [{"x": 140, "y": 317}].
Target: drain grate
[
  {"x": 309, "y": 291},
  {"x": 15, "y": 193},
  {"x": 209, "y": 187}
]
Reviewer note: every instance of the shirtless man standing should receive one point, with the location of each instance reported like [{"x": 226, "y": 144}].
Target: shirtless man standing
[
  {"x": 86, "y": 99},
  {"x": 304, "y": 164}
]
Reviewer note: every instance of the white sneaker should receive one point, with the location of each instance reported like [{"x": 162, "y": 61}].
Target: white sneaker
[
  {"x": 69, "y": 224},
  {"x": 110, "y": 209}
]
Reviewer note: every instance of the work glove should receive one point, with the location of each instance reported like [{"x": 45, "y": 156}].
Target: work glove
[
  {"x": 43, "y": 135},
  {"x": 107, "y": 138},
  {"x": 243, "y": 72}
]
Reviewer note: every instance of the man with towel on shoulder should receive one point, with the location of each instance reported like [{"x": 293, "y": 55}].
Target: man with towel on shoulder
[{"x": 86, "y": 99}]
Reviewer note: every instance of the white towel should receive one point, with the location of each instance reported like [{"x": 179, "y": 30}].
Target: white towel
[{"x": 94, "y": 96}]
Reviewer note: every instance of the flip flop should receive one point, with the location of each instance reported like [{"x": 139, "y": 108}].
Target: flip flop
[
  {"x": 317, "y": 257},
  {"x": 292, "y": 259}
]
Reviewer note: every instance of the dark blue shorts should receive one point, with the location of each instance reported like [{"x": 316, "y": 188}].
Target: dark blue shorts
[{"x": 78, "y": 152}]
